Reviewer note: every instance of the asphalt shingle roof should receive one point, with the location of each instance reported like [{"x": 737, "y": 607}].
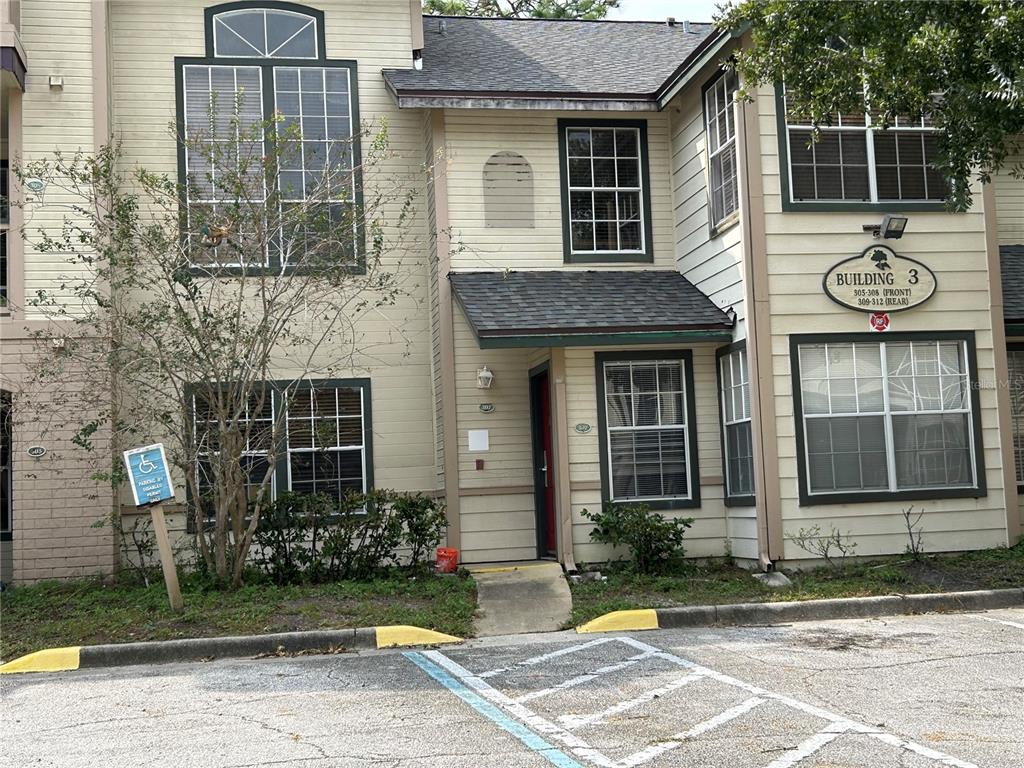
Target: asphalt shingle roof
[
  {"x": 533, "y": 56},
  {"x": 576, "y": 302},
  {"x": 1011, "y": 258}
]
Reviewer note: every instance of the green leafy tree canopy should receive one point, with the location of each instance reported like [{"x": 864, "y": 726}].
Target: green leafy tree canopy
[
  {"x": 961, "y": 62},
  {"x": 590, "y": 10}
]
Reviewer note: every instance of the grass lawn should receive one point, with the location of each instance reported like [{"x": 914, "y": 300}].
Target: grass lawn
[
  {"x": 53, "y": 614},
  {"x": 718, "y": 583}
]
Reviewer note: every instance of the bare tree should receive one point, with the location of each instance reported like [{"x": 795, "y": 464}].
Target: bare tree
[{"x": 176, "y": 316}]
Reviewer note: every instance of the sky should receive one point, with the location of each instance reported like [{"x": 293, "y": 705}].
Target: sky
[{"x": 659, "y": 10}]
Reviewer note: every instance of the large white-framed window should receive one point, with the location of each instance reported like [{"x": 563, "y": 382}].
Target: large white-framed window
[
  {"x": 856, "y": 160},
  {"x": 647, "y": 419},
  {"x": 264, "y": 85},
  {"x": 720, "y": 135},
  {"x": 894, "y": 418},
  {"x": 1015, "y": 360},
  {"x": 606, "y": 200},
  {"x": 737, "y": 437}
]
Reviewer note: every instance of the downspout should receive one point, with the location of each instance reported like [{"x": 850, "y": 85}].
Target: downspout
[
  {"x": 563, "y": 492},
  {"x": 758, "y": 332}
]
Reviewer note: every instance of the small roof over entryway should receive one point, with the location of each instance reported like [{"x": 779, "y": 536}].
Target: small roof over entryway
[{"x": 594, "y": 308}]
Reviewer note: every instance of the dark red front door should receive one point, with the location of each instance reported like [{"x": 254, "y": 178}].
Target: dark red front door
[{"x": 543, "y": 464}]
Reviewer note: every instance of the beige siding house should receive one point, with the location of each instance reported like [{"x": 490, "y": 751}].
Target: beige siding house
[{"x": 631, "y": 288}]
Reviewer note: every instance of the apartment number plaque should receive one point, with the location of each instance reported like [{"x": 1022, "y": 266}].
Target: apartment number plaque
[{"x": 879, "y": 280}]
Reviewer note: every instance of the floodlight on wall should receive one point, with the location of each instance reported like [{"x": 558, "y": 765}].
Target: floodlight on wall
[
  {"x": 892, "y": 227},
  {"x": 484, "y": 378}
]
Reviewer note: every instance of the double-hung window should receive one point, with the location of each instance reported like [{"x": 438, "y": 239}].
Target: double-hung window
[
  {"x": 647, "y": 426},
  {"x": 269, "y": 143},
  {"x": 857, "y": 161},
  {"x": 737, "y": 439},
  {"x": 720, "y": 134},
  {"x": 895, "y": 418},
  {"x": 313, "y": 437},
  {"x": 606, "y": 208},
  {"x": 1015, "y": 359}
]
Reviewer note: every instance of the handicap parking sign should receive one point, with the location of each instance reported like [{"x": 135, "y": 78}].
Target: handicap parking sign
[{"x": 150, "y": 477}]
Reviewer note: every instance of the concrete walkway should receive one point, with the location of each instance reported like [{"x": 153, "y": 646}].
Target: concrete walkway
[{"x": 521, "y": 597}]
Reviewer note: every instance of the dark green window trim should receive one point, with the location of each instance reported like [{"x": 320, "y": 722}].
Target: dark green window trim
[
  {"x": 281, "y": 460},
  {"x": 831, "y": 206},
  {"x": 1015, "y": 346},
  {"x": 647, "y": 255},
  {"x": 267, "y": 66},
  {"x": 315, "y": 14},
  {"x": 692, "y": 462},
  {"x": 731, "y": 500},
  {"x": 601, "y": 339},
  {"x": 808, "y": 500}
]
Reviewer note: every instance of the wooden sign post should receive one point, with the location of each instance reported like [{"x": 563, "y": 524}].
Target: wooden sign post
[{"x": 151, "y": 486}]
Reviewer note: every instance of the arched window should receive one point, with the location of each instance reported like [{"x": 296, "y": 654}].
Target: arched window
[
  {"x": 266, "y": 71},
  {"x": 272, "y": 33},
  {"x": 508, "y": 191}
]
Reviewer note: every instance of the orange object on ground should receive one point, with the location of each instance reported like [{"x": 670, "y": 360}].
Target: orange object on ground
[{"x": 447, "y": 560}]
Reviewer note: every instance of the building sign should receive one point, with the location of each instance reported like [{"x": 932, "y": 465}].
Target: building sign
[
  {"x": 879, "y": 281},
  {"x": 150, "y": 478},
  {"x": 879, "y": 321}
]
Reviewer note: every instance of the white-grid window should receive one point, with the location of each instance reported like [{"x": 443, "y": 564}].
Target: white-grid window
[
  {"x": 720, "y": 132},
  {"x": 604, "y": 178},
  {"x": 886, "y": 416},
  {"x": 265, "y": 83},
  {"x": 856, "y": 160},
  {"x": 1015, "y": 358},
  {"x": 256, "y": 430},
  {"x": 223, "y": 113},
  {"x": 647, "y": 432},
  {"x": 326, "y": 448},
  {"x": 265, "y": 33},
  {"x": 315, "y": 434},
  {"x": 314, "y": 103},
  {"x": 736, "y": 427}
]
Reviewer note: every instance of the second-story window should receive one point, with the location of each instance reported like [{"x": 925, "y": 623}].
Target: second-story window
[
  {"x": 855, "y": 160},
  {"x": 606, "y": 207},
  {"x": 720, "y": 128},
  {"x": 265, "y": 89}
]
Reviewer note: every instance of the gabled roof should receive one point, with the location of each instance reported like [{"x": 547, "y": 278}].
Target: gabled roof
[
  {"x": 569, "y": 307},
  {"x": 1011, "y": 259},
  {"x": 540, "y": 58}
]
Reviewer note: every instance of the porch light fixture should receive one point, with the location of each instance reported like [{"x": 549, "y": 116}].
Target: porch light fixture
[
  {"x": 484, "y": 378},
  {"x": 892, "y": 227}
]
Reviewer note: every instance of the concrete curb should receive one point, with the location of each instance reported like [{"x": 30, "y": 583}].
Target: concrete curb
[
  {"x": 805, "y": 610},
  {"x": 206, "y": 648}
]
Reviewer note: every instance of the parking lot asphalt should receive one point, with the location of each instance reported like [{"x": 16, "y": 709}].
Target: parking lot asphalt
[{"x": 908, "y": 691}]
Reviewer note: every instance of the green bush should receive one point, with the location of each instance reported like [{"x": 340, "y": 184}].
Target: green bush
[
  {"x": 654, "y": 542},
  {"x": 305, "y": 538}
]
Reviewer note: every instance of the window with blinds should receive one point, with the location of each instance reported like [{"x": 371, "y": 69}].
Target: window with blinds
[
  {"x": 313, "y": 438},
  {"x": 737, "y": 439},
  {"x": 856, "y": 160},
  {"x": 893, "y": 416},
  {"x": 720, "y": 133},
  {"x": 268, "y": 123},
  {"x": 1015, "y": 358},
  {"x": 647, "y": 437},
  {"x": 606, "y": 212}
]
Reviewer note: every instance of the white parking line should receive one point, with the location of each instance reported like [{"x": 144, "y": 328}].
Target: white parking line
[
  {"x": 808, "y": 747},
  {"x": 1002, "y": 621},
  {"x": 546, "y": 657},
  {"x": 574, "y": 681},
  {"x": 579, "y": 721},
  {"x": 838, "y": 725},
  {"x": 644, "y": 755}
]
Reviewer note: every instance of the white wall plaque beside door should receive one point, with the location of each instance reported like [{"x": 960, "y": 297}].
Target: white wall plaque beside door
[{"x": 879, "y": 280}]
